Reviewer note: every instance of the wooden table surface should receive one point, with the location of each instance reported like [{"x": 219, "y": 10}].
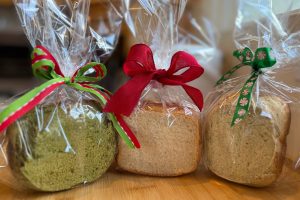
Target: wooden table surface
[{"x": 199, "y": 185}]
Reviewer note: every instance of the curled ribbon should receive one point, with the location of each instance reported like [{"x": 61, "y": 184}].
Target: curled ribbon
[
  {"x": 261, "y": 59},
  {"x": 46, "y": 67},
  {"x": 140, "y": 66}
]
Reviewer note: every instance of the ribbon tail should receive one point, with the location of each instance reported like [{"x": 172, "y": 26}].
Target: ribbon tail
[
  {"x": 27, "y": 102},
  {"x": 86, "y": 88},
  {"x": 229, "y": 73},
  {"x": 98, "y": 87},
  {"x": 126, "y": 98},
  {"x": 124, "y": 131},
  {"x": 195, "y": 95},
  {"x": 244, "y": 100},
  {"x": 119, "y": 124}
]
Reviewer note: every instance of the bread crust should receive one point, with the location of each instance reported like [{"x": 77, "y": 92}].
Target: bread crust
[
  {"x": 273, "y": 114},
  {"x": 162, "y": 150}
]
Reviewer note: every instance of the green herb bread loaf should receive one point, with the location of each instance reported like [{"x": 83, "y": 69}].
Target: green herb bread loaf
[
  {"x": 253, "y": 151},
  {"x": 55, "y": 148}
]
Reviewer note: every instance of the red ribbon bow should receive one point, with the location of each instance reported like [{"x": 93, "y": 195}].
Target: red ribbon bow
[{"x": 141, "y": 68}]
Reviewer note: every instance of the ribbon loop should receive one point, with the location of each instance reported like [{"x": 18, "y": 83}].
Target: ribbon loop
[
  {"x": 44, "y": 69},
  {"x": 263, "y": 59},
  {"x": 140, "y": 66},
  {"x": 44, "y": 65},
  {"x": 245, "y": 55},
  {"x": 97, "y": 69},
  {"x": 139, "y": 61}
]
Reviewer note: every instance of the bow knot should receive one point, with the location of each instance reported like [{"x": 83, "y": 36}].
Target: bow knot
[
  {"x": 68, "y": 80},
  {"x": 45, "y": 66},
  {"x": 261, "y": 59},
  {"x": 140, "y": 66},
  {"x": 160, "y": 73}
]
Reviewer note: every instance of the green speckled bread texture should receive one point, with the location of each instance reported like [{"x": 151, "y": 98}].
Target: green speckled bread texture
[
  {"x": 253, "y": 151},
  {"x": 54, "y": 148}
]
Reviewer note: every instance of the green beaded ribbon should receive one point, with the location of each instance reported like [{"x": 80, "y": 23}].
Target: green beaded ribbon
[{"x": 262, "y": 58}]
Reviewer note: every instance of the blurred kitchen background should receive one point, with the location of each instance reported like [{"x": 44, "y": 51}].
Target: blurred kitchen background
[{"x": 15, "y": 69}]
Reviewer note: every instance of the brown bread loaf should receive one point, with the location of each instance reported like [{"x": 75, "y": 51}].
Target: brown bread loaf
[
  {"x": 170, "y": 141},
  {"x": 252, "y": 152}
]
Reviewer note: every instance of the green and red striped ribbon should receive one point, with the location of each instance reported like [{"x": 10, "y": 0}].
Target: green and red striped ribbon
[
  {"x": 46, "y": 67},
  {"x": 261, "y": 59}
]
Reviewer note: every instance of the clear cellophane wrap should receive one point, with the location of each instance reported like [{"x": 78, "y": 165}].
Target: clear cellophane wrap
[
  {"x": 262, "y": 148},
  {"x": 66, "y": 140},
  {"x": 165, "y": 117}
]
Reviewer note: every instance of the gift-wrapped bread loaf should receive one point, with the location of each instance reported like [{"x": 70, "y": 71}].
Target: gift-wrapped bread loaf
[
  {"x": 76, "y": 146},
  {"x": 159, "y": 105},
  {"x": 57, "y": 135},
  {"x": 251, "y": 152},
  {"x": 170, "y": 141}
]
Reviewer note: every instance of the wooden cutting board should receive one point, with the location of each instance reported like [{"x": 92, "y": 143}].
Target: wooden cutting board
[{"x": 199, "y": 185}]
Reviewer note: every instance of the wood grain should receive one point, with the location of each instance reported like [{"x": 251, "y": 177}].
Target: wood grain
[{"x": 199, "y": 185}]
